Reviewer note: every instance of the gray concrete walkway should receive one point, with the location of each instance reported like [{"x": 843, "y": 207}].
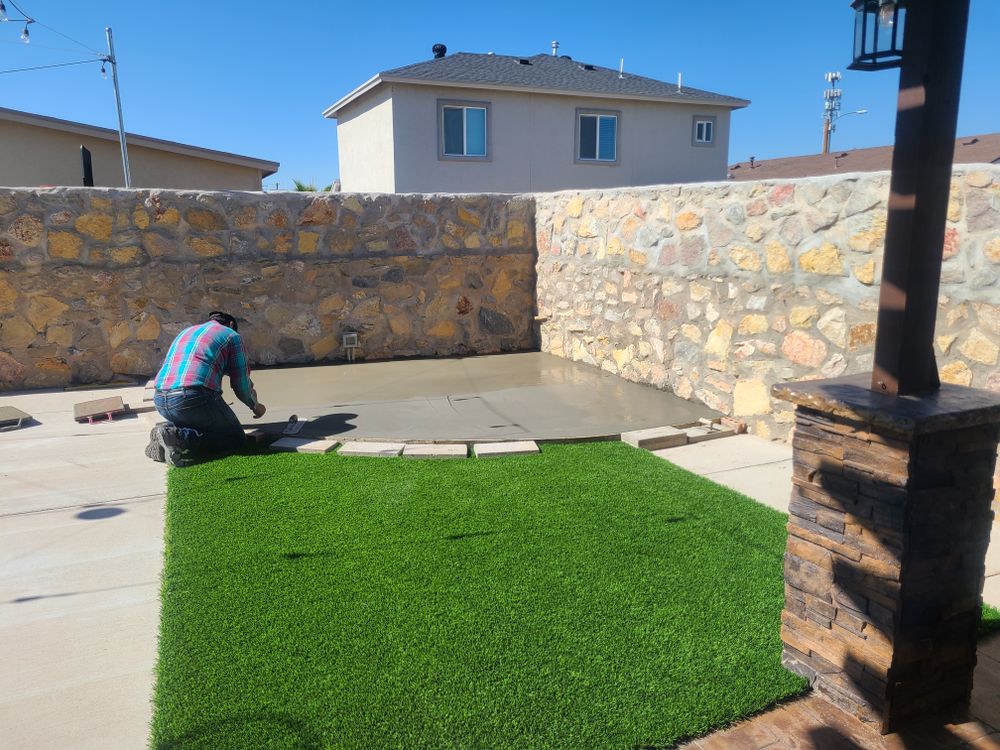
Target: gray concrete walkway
[
  {"x": 762, "y": 470},
  {"x": 81, "y": 528}
]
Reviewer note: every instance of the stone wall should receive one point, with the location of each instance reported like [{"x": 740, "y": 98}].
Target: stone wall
[
  {"x": 720, "y": 290},
  {"x": 97, "y": 282}
]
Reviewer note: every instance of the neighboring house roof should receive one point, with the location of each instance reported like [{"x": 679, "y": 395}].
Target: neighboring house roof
[
  {"x": 972, "y": 149},
  {"x": 538, "y": 74},
  {"x": 267, "y": 168}
]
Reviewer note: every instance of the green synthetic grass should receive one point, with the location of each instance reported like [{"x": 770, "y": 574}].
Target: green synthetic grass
[
  {"x": 990, "y": 622},
  {"x": 593, "y": 596}
]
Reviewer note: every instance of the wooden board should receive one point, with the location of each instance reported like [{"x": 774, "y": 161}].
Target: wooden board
[
  {"x": 11, "y": 418},
  {"x": 101, "y": 408}
]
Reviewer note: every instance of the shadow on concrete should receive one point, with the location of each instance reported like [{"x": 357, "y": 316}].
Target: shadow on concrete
[
  {"x": 39, "y": 597},
  {"x": 831, "y": 738},
  {"x": 267, "y": 730},
  {"x": 99, "y": 514}
]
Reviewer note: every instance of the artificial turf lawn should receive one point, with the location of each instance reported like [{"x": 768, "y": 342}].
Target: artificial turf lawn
[{"x": 593, "y": 596}]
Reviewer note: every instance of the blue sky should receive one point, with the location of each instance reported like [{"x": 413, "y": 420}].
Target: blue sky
[{"x": 253, "y": 77}]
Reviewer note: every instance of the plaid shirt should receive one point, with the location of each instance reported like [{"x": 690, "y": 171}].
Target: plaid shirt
[{"x": 201, "y": 355}]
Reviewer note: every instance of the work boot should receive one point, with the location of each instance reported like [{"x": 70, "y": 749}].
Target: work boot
[
  {"x": 175, "y": 452},
  {"x": 154, "y": 450}
]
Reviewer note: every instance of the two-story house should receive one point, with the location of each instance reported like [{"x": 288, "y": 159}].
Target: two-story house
[{"x": 493, "y": 123}]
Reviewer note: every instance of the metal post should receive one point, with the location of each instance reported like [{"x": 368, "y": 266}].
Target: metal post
[
  {"x": 88, "y": 169},
  {"x": 930, "y": 78},
  {"x": 826, "y": 135},
  {"x": 118, "y": 103}
]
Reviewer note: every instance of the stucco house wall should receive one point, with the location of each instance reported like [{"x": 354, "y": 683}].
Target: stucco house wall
[
  {"x": 33, "y": 156},
  {"x": 365, "y": 143},
  {"x": 532, "y": 142}
]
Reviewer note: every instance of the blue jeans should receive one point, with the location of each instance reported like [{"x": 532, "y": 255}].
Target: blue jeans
[{"x": 205, "y": 422}]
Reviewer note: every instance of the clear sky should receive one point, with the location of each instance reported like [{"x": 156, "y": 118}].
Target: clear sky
[{"x": 253, "y": 77}]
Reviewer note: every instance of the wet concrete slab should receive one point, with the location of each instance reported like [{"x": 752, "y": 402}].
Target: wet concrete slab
[{"x": 501, "y": 397}]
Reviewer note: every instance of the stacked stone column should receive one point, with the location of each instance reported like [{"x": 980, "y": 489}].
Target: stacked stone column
[{"x": 889, "y": 522}]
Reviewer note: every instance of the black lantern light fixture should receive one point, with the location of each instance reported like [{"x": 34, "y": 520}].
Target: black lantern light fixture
[{"x": 878, "y": 34}]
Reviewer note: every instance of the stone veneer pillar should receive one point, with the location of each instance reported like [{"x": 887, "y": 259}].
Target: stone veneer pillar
[{"x": 889, "y": 522}]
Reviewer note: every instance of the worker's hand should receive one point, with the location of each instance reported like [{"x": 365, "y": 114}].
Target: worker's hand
[{"x": 258, "y": 410}]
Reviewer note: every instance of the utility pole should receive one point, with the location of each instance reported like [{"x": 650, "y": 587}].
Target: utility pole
[
  {"x": 831, "y": 106},
  {"x": 118, "y": 102}
]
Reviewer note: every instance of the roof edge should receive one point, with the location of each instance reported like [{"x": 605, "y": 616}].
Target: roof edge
[
  {"x": 731, "y": 102},
  {"x": 331, "y": 111},
  {"x": 266, "y": 166}
]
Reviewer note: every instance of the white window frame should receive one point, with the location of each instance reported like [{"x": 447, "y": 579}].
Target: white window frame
[
  {"x": 580, "y": 112},
  {"x": 444, "y": 104},
  {"x": 703, "y": 121}
]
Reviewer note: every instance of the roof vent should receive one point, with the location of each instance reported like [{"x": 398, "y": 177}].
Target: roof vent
[
  {"x": 439, "y": 51},
  {"x": 565, "y": 57},
  {"x": 586, "y": 66},
  {"x": 524, "y": 61}
]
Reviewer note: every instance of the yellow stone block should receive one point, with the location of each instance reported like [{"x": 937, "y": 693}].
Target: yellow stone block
[
  {"x": 751, "y": 397},
  {"x": 575, "y": 207},
  {"x": 101, "y": 204},
  {"x": 745, "y": 258},
  {"x": 638, "y": 257},
  {"x": 204, "y": 220},
  {"x": 516, "y": 232},
  {"x": 754, "y": 232},
  {"x": 325, "y": 346},
  {"x": 332, "y": 304},
  {"x": 466, "y": 216},
  {"x": 980, "y": 348},
  {"x": 978, "y": 179},
  {"x": 753, "y": 324},
  {"x": 401, "y": 324},
  {"x": 125, "y": 254},
  {"x": 65, "y": 245},
  {"x": 688, "y": 220},
  {"x": 140, "y": 218},
  {"x": 502, "y": 286},
  {"x": 169, "y": 216},
  {"x": 777, "y": 258},
  {"x": 443, "y": 330},
  {"x": 802, "y": 317},
  {"x": 59, "y": 335},
  {"x": 992, "y": 250},
  {"x": 148, "y": 330},
  {"x": 870, "y": 239},
  {"x": 205, "y": 248},
  {"x": 691, "y": 332},
  {"x": 945, "y": 341},
  {"x": 450, "y": 242},
  {"x": 664, "y": 210},
  {"x": 97, "y": 226},
  {"x": 865, "y": 272},
  {"x": 956, "y": 373},
  {"x": 118, "y": 334},
  {"x": 824, "y": 260},
  {"x": 719, "y": 338},
  {"x": 42, "y": 310},
  {"x": 308, "y": 242},
  {"x": 473, "y": 242},
  {"x": 8, "y": 295}
]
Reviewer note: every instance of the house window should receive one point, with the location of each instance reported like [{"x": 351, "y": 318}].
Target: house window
[
  {"x": 463, "y": 130},
  {"x": 597, "y": 136},
  {"x": 703, "y": 131}
]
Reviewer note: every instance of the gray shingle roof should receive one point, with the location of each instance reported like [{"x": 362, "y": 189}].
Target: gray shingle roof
[
  {"x": 550, "y": 73},
  {"x": 538, "y": 73}
]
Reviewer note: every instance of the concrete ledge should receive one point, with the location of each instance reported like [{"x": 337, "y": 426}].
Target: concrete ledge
[
  {"x": 436, "y": 451},
  {"x": 707, "y": 432},
  {"x": 304, "y": 445},
  {"x": 514, "y": 448},
  {"x": 378, "y": 450},
  {"x": 655, "y": 438}
]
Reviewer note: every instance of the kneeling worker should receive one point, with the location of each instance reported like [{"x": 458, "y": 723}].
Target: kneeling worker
[{"x": 189, "y": 394}]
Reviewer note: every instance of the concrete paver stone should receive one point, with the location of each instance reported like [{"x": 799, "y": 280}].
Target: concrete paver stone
[
  {"x": 99, "y": 408},
  {"x": 513, "y": 448},
  {"x": 373, "y": 449},
  {"x": 431, "y": 450},
  {"x": 656, "y": 438},
  {"x": 304, "y": 445},
  {"x": 701, "y": 434}
]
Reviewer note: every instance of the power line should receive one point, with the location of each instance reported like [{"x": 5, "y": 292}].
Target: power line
[{"x": 43, "y": 67}]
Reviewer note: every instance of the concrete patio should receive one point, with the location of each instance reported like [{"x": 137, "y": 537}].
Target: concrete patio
[{"x": 81, "y": 520}]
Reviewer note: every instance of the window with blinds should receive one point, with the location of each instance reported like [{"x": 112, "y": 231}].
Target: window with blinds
[{"x": 597, "y": 137}]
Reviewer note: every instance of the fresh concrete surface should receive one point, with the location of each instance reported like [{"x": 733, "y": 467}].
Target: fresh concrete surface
[
  {"x": 762, "y": 470},
  {"x": 500, "y": 397},
  {"x": 81, "y": 525}
]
